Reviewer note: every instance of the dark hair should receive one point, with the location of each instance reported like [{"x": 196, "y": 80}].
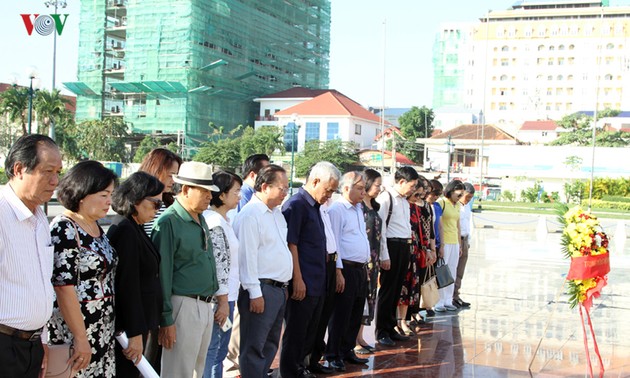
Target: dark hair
[
  {"x": 156, "y": 163},
  {"x": 85, "y": 178},
  {"x": 436, "y": 187},
  {"x": 406, "y": 173},
  {"x": 267, "y": 175},
  {"x": 370, "y": 176},
  {"x": 469, "y": 188},
  {"x": 134, "y": 189},
  {"x": 453, "y": 186},
  {"x": 24, "y": 151},
  {"x": 254, "y": 163},
  {"x": 425, "y": 183},
  {"x": 225, "y": 181}
]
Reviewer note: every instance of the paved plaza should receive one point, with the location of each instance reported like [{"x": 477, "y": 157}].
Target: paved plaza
[{"x": 514, "y": 280}]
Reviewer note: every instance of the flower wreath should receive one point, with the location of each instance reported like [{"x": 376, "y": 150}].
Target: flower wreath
[{"x": 586, "y": 244}]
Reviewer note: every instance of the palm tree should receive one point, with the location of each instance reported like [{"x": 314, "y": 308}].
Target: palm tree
[
  {"x": 49, "y": 106},
  {"x": 14, "y": 103}
]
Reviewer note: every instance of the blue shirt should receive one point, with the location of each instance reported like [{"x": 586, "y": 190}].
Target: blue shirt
[
  {"x": 306, "y": 230},
  {"x": 246, "y": 194},
  {"x": 437, "y": 209},
  {"x": 348, "y": 224}
]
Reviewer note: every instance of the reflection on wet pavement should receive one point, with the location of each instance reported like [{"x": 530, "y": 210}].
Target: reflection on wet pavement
[{"x": 515, "y": 285}]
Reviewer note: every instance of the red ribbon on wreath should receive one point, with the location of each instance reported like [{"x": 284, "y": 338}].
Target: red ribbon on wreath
[{"x": 587, "y": 267}]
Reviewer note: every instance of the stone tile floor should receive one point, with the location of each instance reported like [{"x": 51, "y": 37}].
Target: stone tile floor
[{"x": 514, "y": 281}]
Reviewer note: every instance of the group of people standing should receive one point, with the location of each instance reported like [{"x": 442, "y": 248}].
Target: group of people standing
[{"x": 202, "y": 281}]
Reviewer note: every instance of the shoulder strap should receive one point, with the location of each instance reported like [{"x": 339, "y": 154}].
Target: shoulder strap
[{"x": 391, "y": 207}]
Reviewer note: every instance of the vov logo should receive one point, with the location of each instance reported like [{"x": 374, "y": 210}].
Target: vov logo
[{"x": 44, "y": 24}]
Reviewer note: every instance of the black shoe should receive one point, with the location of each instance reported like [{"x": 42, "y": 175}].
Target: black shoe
[
  {"x": 338, "y": 365},
  {"x": 430, "y": 312},
  {"x": 386, "y": 341},
  {"x": 306, "y": 374},
  {"x": 321, "y": 369},
  {"x": 398, "y": 337},
  {"x": 353, "y": 359},
  {"x": 459, "y": 303}
]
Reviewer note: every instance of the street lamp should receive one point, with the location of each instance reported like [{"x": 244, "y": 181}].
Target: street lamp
[
  {"x": 31, "y": 92},
  {"x": 294, "y": 130},
  {"x": 32, "y": 88},
  {"x": 57, "y": 4}
]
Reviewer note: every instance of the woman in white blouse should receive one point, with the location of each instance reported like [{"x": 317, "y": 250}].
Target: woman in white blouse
[{"x": 224, "y": 200}]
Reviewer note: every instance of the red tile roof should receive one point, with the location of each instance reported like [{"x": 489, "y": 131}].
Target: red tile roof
[
  {"x": 490, "y": 132},
  {"x": 331, "y": 103},
  {"x": 400, "y": 158},
  {"x": 388, "y": 132},
  {"x": 539, "y": 126}
]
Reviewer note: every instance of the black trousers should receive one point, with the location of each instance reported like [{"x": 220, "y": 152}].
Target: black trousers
[
  {"x": 126, "y": 368},
  {"x": 319, "y": 346},
  {"x": 391, "y": 285},
  {"x": 346, "y": 318},
  {"x": 301, "y": 320},
  {"x": 20, "y": 358}
]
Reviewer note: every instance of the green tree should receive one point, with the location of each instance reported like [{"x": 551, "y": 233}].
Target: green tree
[
  {"x": 579, "y": 132},
  {"x": 101, "y": 139},
  {"x": 341, "y": 154},
  {"x": 416, "y": 123},
  {"x": 412, "y": 150},
  {"x": 50, "y": 107},
  {"x": 264, "y": 140},
  {"x": 224, "y": 153},
  {"x": 147, "y": 144},
  {"x": 14, "y": 103}
]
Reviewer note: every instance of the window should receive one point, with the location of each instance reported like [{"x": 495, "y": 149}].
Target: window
[
  {"x": 559, "y": 77},
  {"x": 357, "y": 129},
  {"x": 561, "y": 47},
  {"x": 312, "y": 131},
  {"x": 541, "y": 47},
  {"x": 505, "y": 48},
  {"x": 610, "y": 46},
  {"x": 608, "y": 77},
  {"x": 332, "y": 131},
  {"x": 504, "y": 77}
]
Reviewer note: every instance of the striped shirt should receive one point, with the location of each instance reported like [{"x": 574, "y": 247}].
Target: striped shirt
[
  {"x": 26, "y": 264},
  {"x": 148, "y": 227}
]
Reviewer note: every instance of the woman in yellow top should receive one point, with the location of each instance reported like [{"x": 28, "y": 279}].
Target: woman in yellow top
[{"x": 450, "y": 237}]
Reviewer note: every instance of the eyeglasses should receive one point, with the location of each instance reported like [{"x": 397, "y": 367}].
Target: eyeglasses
[
  {"x": 156, "y": 202},
  {"x": 284, "y": 190}
]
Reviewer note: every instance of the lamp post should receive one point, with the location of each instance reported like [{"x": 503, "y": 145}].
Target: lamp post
[
  {"x": 31, "y": 92},
  {"x": 294, "y": 129},
  {"x": 57, "y": 4}
]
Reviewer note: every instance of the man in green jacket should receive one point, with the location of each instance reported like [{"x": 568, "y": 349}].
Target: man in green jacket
[{"x": 187, "y": 274}]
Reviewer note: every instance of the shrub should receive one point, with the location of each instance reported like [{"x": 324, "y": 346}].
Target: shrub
[
  {"x": 615, "y": 198},
  {"x": 507, "y": 196},
  {"x": 3, "y": 177},
  {"x": 531, "y": 194},
  {"x": 600, "y": 204}
]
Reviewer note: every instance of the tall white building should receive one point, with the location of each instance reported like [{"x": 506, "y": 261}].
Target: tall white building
[{"x": 542, "y": 60}]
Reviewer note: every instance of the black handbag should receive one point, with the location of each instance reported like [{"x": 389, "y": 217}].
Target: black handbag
[{"x": 443, "y": 274}]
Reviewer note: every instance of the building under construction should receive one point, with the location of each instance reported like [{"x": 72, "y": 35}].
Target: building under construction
[{"x": 174, "y": 67}]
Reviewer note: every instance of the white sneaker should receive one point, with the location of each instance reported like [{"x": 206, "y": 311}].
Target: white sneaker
[
  {"x": 450, "y": 308},
  {"x": 439, "y": 309}
]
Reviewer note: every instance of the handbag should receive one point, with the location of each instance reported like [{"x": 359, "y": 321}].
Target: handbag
[
  {"x": 429, "y": 289},
  {"x": 58, "y": 366},
  {"x": 443, "y": 274}
]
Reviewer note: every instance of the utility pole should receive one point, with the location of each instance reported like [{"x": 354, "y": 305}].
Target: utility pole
[{"x": 449, "y": 151}]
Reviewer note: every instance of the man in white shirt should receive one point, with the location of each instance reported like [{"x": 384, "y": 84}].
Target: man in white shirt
[
  {"x": 26, "y": 252},
  {"x": 465, "y": 216},
  {"x": 348, "y": 225},
  {"x": 266, "y": 266},
  {"x": 395, "y": 252}
]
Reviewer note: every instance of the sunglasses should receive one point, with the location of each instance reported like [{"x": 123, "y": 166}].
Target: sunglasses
[{"x": 156, "y": 202}]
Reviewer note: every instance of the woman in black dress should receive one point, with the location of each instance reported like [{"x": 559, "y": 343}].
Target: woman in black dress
[{"x": 138, "y": 289}]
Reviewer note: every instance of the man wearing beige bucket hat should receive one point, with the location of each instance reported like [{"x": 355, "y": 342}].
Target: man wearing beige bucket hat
[{"x": 187, "y": 274}]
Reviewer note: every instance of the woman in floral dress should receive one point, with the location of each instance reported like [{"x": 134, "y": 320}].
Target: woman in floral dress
[
  {"x": 84, "y": 268},
  {"x": 373, "y": 225}
]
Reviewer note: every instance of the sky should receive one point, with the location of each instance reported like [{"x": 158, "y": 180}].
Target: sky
[{"x": 365, "y": 36}]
